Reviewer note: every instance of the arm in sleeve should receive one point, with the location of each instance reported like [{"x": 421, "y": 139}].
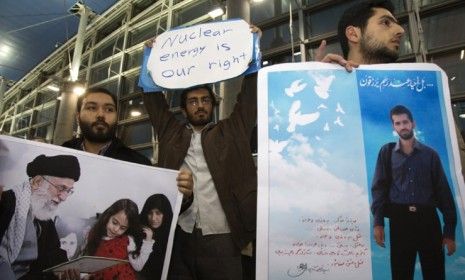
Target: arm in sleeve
[
  {"x": 444, "y": 198},
  {"x": 380, "y": 187},
  {"x": 244, "y": 114},
  {"x": 161, "y": 118},
  {"x": 139, "y": 261}
]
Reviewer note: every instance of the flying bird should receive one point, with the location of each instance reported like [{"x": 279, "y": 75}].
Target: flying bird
[
  {"x": 339, "y": 109},
  {"x": 275, "y": 110},
  {"x": 326, "y": 127},
  {"x": 276, "y": 127},
  {"x": 338, "y": 121},
  {"x": 322, "y": 106},
  {"x": 322, "y": 86},
  {"x": 295, "y": 87},
  {"x": 297, "y": 118},
  {"x": 277, "y": 146}
]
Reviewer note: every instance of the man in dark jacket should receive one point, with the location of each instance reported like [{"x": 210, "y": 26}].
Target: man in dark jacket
[
  {"x": 222, "y": 217},
  {"x": 97, "y": 117},
  {"x": 28, "y": 239}
]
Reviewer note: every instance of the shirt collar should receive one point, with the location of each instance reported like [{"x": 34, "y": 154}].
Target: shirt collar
[
  {"x": 208, "y": 125},
  {"x": 416, "y": 145},
  {"x": 101, "y": 151}
]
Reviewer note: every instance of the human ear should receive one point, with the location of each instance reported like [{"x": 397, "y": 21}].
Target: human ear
[
  {"x": 353, "y": 34},
  {"x": 35, "y": 182}
]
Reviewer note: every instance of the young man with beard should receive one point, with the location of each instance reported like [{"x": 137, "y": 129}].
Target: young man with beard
[
  {"x": 221, "y": 220},
  {"x": 97, "y": 116},
  {"x": 368, "y": 33},
  {"x": 29, "y": 242},
  {"x": 408, "y": 185}
]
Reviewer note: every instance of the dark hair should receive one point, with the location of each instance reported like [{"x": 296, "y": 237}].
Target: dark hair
[
  {"x": 96, "y": 90},
  {"x": 154, "y": 265},
  {"x": 188, "y": 90},
  {"x": 160, "y": 202},
  {"x": 358, "y": 16},
  {"x": 400, "y": 110},
  {"x": 99, "y": 230}
]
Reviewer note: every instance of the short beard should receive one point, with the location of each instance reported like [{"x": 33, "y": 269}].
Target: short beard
[
  {"x": 43, "y": 208},
  {"x": 374, "y": 52},
  {"x": 407, "y": 136},
  {"x": 199, "y": 122},
  {"x": 100, "y": 136}
]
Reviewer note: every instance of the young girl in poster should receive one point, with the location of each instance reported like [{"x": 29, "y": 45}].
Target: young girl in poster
[
  {"x": 118, "y": 234},
  {"x": 157, "y": 215}
]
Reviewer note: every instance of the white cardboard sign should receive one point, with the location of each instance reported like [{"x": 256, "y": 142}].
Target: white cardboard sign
[{"x": 204, "y": 53}]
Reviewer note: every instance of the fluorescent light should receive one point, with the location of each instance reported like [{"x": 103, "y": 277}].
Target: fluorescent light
[
  {"x": 135, "y": 113},
  {"x": 216, "y": 12},
  {"x": 453, "y": 78},
  {"x": 462, "y": 116},
  {"x": 462, "y": 54},
  {"x": 78, "y": 90},
  {"x": 265, "y": 62},
  {"x": 257, "y": 1},
  {"x": 297, "y": 53},
  {"x": 53, "y": 87},
  {"x": 5, "y": 50}
]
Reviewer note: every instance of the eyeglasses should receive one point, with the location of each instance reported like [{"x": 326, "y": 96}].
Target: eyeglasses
[
  {"x": 60, "y": 188},
  {"x": 194, "y": 102}
]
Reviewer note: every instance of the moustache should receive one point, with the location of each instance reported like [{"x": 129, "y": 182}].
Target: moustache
[
  {"x": 100, "y": 123},
  {"x": 200, "y": 110}
]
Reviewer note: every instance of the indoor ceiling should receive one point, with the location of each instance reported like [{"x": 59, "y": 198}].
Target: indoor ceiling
[{"x": 30, "y": 30}]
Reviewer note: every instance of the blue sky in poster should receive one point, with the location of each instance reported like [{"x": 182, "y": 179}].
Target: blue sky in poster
[
  {"x": 316, "y": 155},
  {"x": 421, "y": 92}
]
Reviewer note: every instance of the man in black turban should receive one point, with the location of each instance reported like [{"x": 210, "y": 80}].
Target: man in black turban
[{"x": 28, "y": 239}]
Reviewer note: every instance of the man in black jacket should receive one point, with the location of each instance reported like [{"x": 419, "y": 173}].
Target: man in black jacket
[{"x": 97, "y": 117}]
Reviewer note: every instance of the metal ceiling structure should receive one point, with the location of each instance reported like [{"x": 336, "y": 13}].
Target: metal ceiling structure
[{"x": 31, "y": 30}]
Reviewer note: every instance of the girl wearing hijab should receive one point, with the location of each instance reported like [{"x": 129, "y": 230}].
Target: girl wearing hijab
[{"x": 156, "y": 215}]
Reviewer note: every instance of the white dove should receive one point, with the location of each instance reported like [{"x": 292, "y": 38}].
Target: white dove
[
  {"x": 338, "y": 121},
  {"x": 322, "y": 86},
  {"x": 322, "y": 106},
  {"x": 295, "y": 87},
  {"x": 326, "y": 127},
  {"x": 339, "y": 109},
  {"x": 275, "y": 110},
  {"x": 297, "y": 118},
  {"x": 277, "y": 146}
]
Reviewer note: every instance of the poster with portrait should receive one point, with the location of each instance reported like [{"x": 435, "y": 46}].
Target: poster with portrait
[
  {"x": 102, "y": 182},
  {"x": 319, "y": 132}
]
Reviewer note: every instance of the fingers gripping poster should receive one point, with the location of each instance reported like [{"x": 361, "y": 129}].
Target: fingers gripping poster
[{"x": 320, "y": 131}]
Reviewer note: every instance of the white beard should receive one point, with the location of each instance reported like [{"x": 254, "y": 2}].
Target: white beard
[{"x": 43, "y": 208}]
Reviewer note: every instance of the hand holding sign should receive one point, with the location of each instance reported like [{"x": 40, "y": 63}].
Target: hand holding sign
[{"x": 204, "y": 53}]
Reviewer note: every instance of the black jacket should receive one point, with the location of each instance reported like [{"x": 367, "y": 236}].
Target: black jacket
[{"x": 116, "y": 150}]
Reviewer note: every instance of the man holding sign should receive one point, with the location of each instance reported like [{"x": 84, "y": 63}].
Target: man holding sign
[{"x": 221, "y": 219}]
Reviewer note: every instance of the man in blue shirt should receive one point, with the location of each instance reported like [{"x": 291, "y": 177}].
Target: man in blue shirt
[{"x": 408, "y": 185}]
